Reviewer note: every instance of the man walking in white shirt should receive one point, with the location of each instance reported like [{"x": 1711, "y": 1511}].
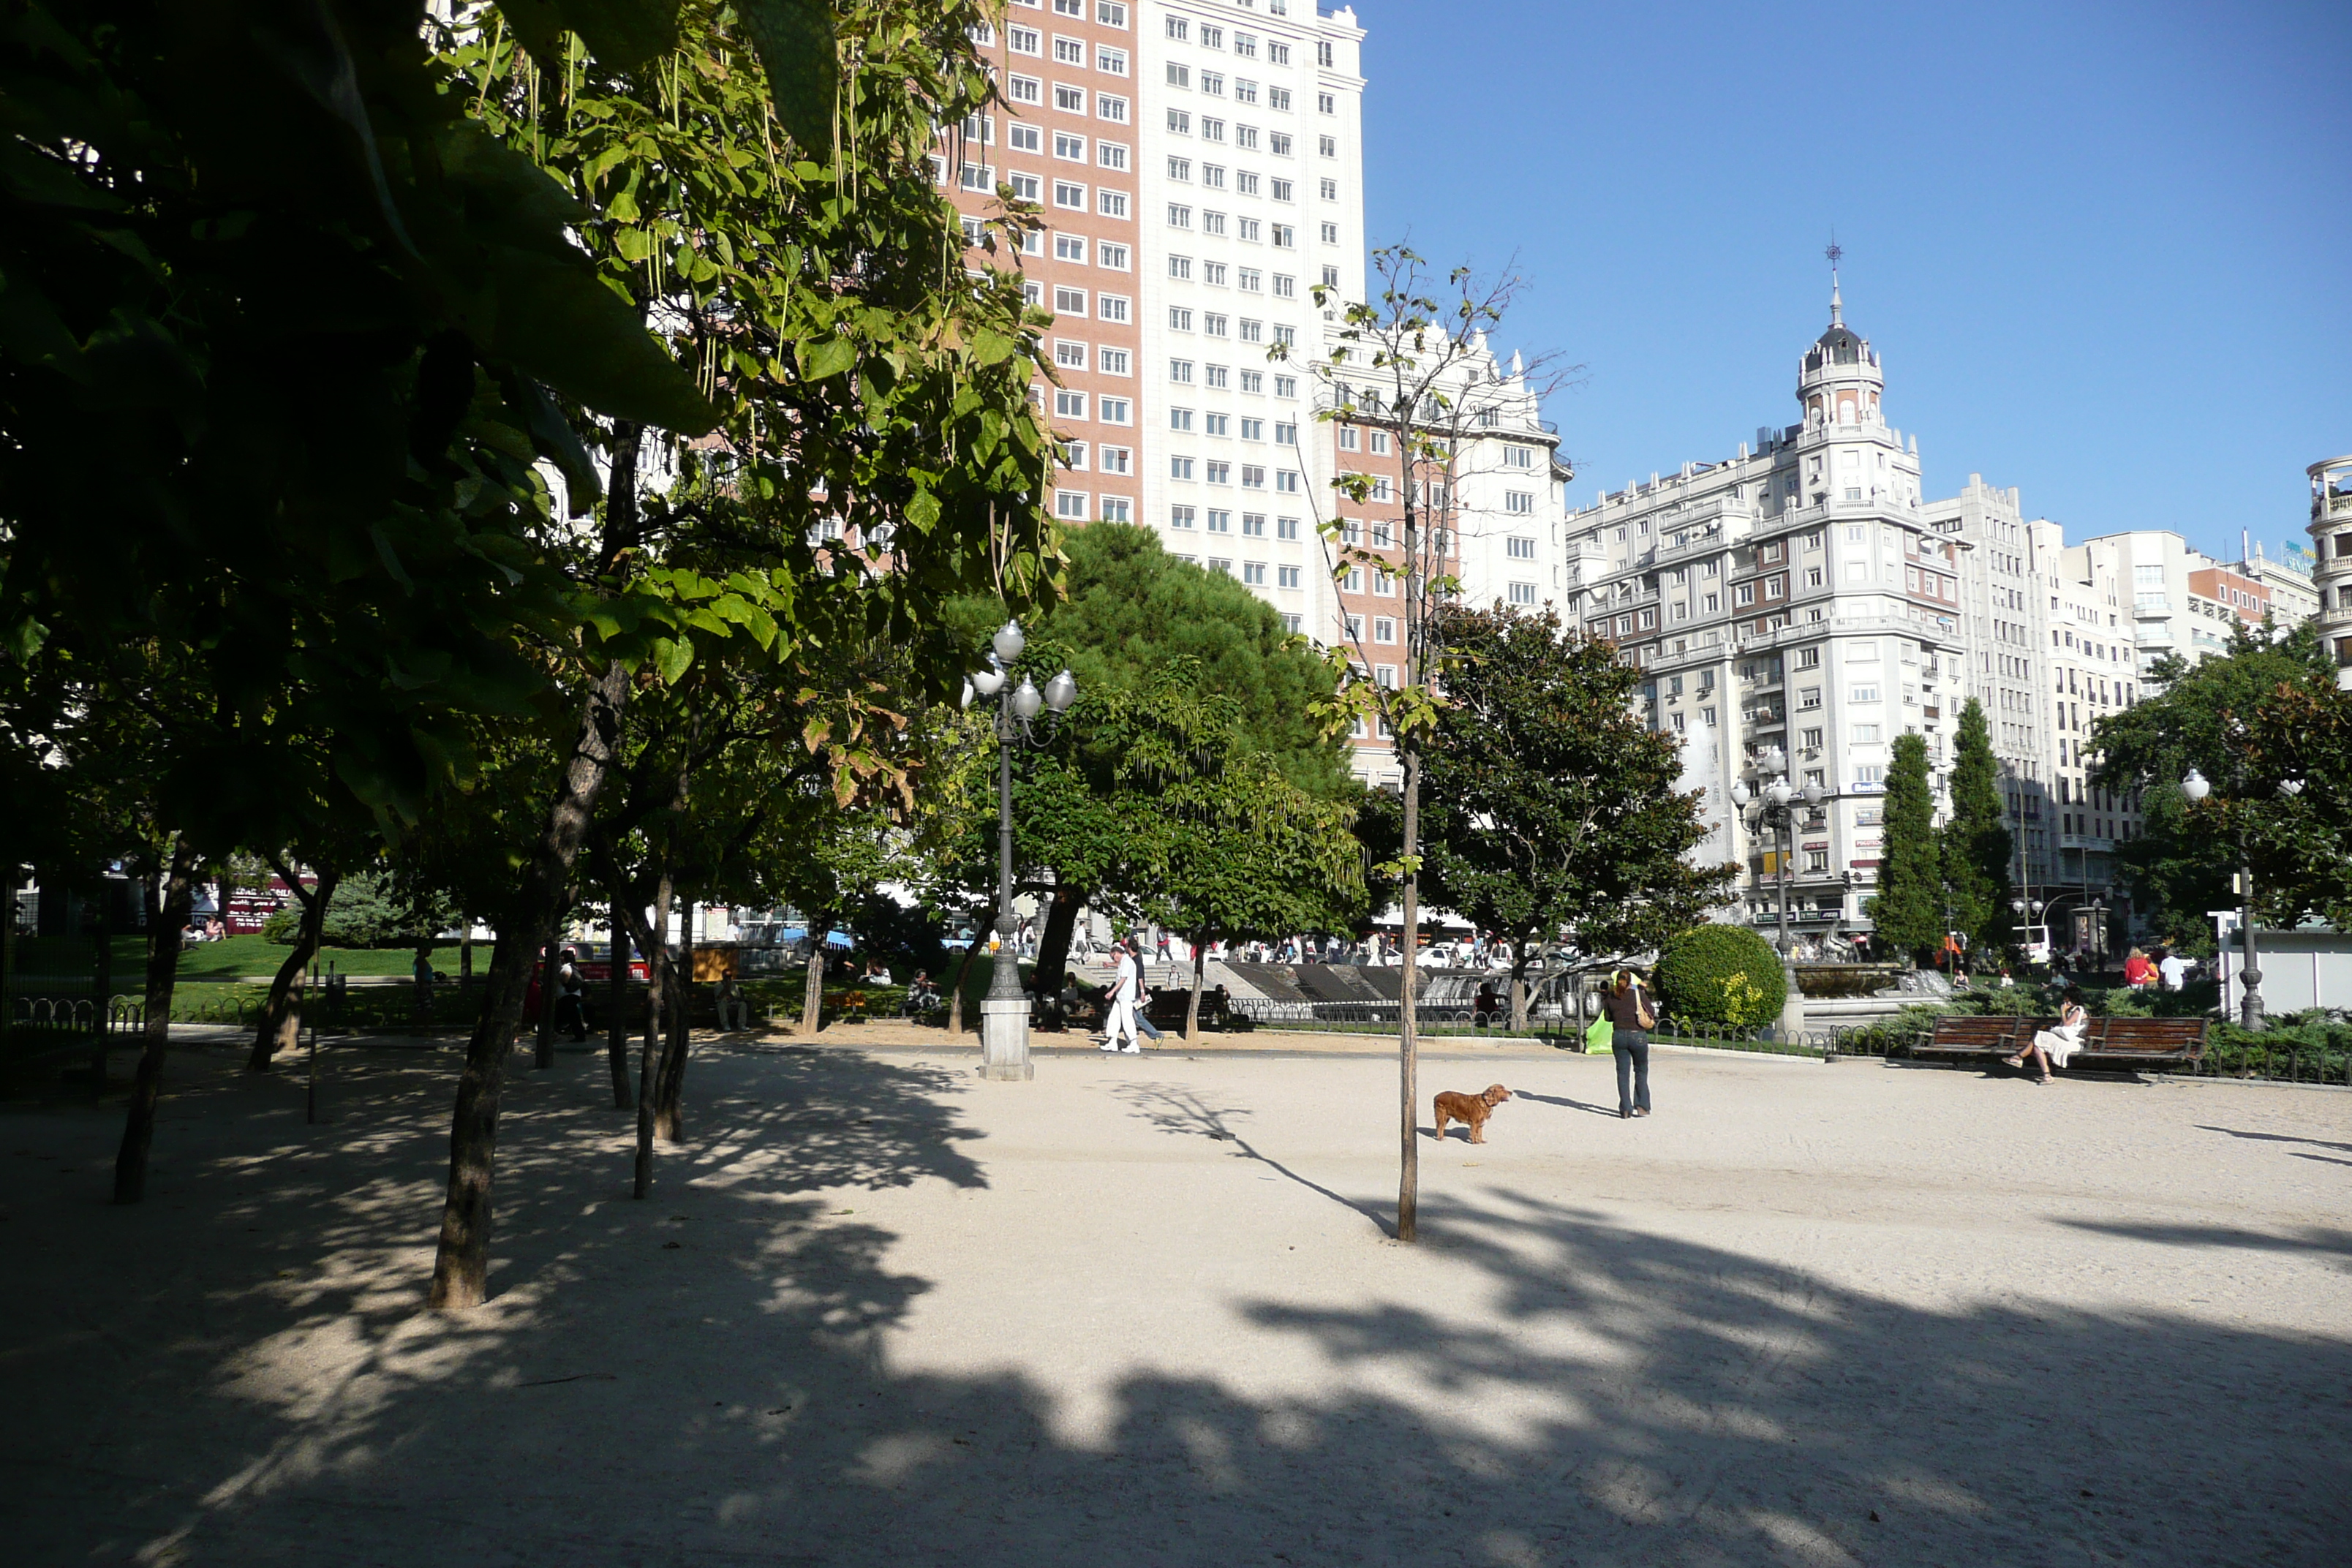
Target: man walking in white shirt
[{"x": 1127, "y": 985}]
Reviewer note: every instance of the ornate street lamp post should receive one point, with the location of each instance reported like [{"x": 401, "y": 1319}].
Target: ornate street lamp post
[
  {"x": 1004, "y": 1011},
  {"x": 1779, "y": 809}
]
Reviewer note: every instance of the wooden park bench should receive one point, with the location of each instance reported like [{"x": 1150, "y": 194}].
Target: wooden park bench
[
  {"x": 1165, "y": 1011},
  {"x": 2108, "y": 1044},
  {"x": 1960, "y": 1035}
]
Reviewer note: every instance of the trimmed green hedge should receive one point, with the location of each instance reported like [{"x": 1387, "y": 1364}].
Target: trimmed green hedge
[{"x": 1721, "y": 974}]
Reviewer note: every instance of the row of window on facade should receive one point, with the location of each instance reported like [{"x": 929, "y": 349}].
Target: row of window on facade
[{"x": 1245, "y": 45}]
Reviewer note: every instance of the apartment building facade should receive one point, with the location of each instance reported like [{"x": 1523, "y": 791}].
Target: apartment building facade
[
  {"x": 2293, "y": 596},
  {"x": 1793, "y": 596},
  {"x": 1488, "y": 491},
  {"x": 2089, "y": 659},
  {"x": 2003, "y": 561},
  {"x": 1198, "y": 165},
  {"x": 2332, "y": 556},
  {"x": 2331, "y": 549}
]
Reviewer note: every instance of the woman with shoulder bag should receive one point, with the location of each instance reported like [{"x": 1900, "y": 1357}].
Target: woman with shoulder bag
[{"x": 1631, "y": 1015}]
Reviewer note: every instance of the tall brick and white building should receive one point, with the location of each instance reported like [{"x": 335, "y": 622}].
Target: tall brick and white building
[{"x": 1200, "y": 167}]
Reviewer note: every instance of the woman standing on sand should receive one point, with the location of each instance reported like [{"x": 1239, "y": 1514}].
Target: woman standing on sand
[{"x": 1631, "y": 1015}]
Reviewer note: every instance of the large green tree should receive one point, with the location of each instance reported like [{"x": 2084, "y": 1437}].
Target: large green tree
[
  {"x": 877, "y": 453},
  {"x": 1551, "y": 808},
  {"x": 2197, "y": 715},
  {"x": 1128, "y": 615},
  {"x": 1973, "y": 852},
  {"x": 1228, "y": 846},
  {"x": 1908, "y": 911},
  {"x": 312, "y": 324}
]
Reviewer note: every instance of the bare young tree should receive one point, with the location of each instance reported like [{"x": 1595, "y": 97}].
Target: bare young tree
[{"x": 1409, "y": 372}]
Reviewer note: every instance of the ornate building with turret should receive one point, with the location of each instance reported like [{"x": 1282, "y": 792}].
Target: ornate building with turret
[{"x": 1797, "y": 604}]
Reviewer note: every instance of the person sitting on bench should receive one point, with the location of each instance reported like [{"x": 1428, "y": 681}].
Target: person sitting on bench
[{"x": 2055, "y": 1047}]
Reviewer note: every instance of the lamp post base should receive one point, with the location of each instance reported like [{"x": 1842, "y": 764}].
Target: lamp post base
[
  {"x": 1792, "y": 1007},
  {"x": 1004, "y": 1039}
]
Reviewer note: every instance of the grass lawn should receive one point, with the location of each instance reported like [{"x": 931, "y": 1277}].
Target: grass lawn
[
  {"x": 242, "y": 955},
  {"x": 236, "y": 958}
]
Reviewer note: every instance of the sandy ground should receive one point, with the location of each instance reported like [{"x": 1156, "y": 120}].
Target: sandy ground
[{"x": 1147, "y": 1311}]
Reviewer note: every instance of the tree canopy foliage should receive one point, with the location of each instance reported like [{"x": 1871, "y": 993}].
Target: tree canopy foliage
[
  {"x": 1552, "y": 809},
  {"x": 2266, "y": 711},
  {"x": 1908, "y": 911},
  {"x": 1973, "y": 852},
  {"x": 494, "y": 405},
  {"x": 1091, "y": 827}
]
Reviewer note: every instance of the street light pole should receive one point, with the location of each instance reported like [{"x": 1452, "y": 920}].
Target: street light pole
[
  {"x": 2196, "y": 788},
  {"x": 1777, "y": 809},
  {"x": 1004, "y": 1011}
]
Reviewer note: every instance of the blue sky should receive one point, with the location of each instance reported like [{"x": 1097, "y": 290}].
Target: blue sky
[{"x": 2104, "y": 250}]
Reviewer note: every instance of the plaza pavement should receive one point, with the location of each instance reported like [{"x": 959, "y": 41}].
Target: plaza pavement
[{"x": 1145, "y": 1310}]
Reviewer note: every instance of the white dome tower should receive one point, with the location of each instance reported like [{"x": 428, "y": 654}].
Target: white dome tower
[{"x": 1840, "y": 382}]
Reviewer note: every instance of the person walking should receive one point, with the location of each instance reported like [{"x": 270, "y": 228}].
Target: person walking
[
  {"x": 1143, "y": 1023},
  {"x": 1631, "y": 1015},
  {"x": 571, "y": 997},
  {"x": 1125, "y": 987}
]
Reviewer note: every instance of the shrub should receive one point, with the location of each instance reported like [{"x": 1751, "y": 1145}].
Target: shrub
[
  {"x": 1721, "y": 974},
  {"x": 365, "y": 911}
]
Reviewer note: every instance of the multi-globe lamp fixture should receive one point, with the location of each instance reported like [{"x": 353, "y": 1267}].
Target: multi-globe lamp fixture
[{"x": 1004, "y": 1011}]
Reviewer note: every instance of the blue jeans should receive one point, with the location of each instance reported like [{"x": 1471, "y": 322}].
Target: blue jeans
[{"x": 1632, "y": 1048}]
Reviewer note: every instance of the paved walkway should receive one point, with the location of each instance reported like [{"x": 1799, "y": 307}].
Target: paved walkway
[{"x": 1147, "y": 1311}]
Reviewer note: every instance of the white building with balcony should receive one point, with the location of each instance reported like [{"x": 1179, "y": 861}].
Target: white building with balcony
[
  {"x": 1795, "y": 595},
  {"x": 2331, "y": 548}
]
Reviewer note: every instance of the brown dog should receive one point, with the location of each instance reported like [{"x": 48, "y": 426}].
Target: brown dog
[{"x": 1470, "y": 1110}]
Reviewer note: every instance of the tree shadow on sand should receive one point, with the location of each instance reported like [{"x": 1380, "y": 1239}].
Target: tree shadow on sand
[{"x": 704, "y": 1378}]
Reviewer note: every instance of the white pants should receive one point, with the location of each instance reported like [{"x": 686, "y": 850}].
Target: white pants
[{"x": 1122, "y": 1023}]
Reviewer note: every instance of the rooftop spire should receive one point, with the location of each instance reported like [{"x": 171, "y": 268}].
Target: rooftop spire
[{"x": 1837, "y": 306}]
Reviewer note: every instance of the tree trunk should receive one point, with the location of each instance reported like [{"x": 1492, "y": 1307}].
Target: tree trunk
[
  {"x": 955, "y": 993},
  {"x": 461, "y": 1268},
  {"x": 812, "y": 985},
  {"x": 464, "y": 954},
  {"x": 616, "y": 1014},
  {"x": 1054, "y": 939},
  {"x": 165, "y": 917},
  {"x": 657, "y": 967},
  {"x": 1192, "y": 1006},
  {"x": 669, "y": 1083},
  {"x": 1408, "y": 1021},
  {"x": 282, "y": 1016}
]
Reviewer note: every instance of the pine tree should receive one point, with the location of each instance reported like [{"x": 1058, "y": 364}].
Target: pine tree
[
  {"x": 1908, "y": 910},
  {"x": 1975, "y": 844}
]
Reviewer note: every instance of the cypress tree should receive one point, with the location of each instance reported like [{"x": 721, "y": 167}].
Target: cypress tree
[
  {"x": 1908, "y": 911},
  {"x": 1976, "y": 843}
]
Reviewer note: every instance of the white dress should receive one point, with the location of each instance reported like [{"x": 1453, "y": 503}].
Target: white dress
[{"x": 2060, "y": 1043}]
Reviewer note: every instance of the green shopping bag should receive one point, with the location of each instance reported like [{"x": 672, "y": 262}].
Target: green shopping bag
[{"x": 1599, "y": 1038}]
